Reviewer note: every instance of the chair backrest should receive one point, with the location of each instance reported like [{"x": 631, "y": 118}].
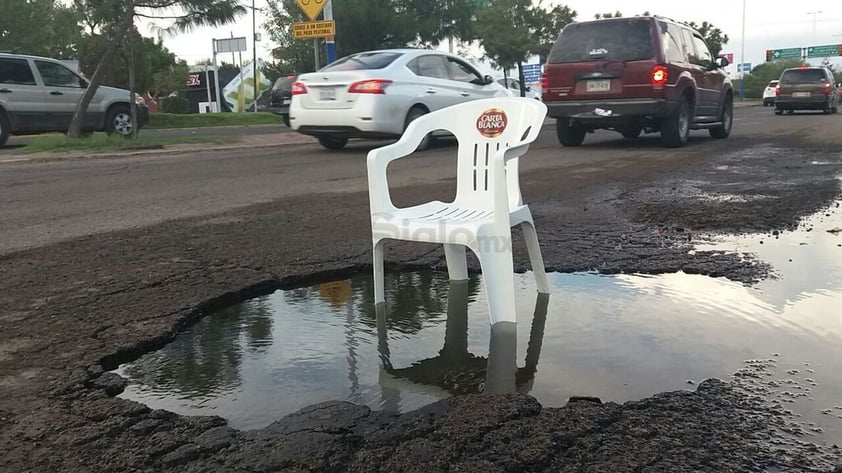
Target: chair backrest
[{"x": 484, "y": 127}]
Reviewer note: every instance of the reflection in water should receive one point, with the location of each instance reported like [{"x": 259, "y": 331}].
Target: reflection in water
[
  {"x": 617, "y": 337},
  {"x": 458, "y": 371}
]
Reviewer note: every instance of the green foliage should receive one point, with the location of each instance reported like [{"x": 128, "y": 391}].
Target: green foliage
[
  {"x": 39, "y": 27},
  {"x": 759, "y": 78},
  {"x": 713, "y": 36},
  {"x": 170, "y": 79},
  {"x": 365, "y": 25},
  {"x": 174, "y": 104},
  {"x": 103, "y": 142},
  {"x": 512, "y": 30},
  {"x": 151, "y": 58},
  {"x": 616, "y": 14}
]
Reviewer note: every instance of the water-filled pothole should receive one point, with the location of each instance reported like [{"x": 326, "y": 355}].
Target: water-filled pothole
[{"x": 617, "y": 337}]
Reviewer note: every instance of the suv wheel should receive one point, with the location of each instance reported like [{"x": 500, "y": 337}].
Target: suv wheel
[
  {"x": 333, "y": 143},
  {"x": 119, "y": 121},
  {"x": 569, "y": 134},
  {"x": 727, "y": 119},
  {"x": 675, "y": 130},
  {"x": 4, "y": 129}
]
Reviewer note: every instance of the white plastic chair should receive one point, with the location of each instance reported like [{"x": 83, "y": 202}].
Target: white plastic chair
[{"x": 492, "y": 135}]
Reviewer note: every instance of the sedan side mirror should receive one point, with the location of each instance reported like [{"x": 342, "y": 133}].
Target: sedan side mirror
[
  {"x": 721, "y": 62},
  {"x": 488, "y": 80}
]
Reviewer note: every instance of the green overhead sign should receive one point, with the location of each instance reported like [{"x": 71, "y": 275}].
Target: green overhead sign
[
  {"x": 787, "y": 53},
  {"x": 824, "y": 51}
]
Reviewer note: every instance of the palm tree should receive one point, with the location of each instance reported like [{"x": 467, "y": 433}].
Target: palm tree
[{"x": 117, "y": 18}]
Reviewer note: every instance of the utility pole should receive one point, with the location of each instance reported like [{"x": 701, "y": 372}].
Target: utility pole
[
  {"x": 254, "y": 57},
  {"x": 814, "y": 13},
  {"x": 330, "y": 44},
  {"x": 743, "y": 56}
]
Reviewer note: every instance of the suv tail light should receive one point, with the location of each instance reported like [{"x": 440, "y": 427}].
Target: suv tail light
[
  {"x": 298, "y": 88},
  {"x": 370, "y": 86},
  {"x": 545, "y": 82},
  {"x": 778, "y": 89},
  {"x": 827, "y": 89},
  {"x": 659, "y": 76}
]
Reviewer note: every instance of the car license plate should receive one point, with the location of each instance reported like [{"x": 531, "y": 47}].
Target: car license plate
[
  {"x": 598, "y": 85},
  {"x": 285, "y": 102},
  {"x": 801, "y": 94},
  {"x": 327, "y": 93}
]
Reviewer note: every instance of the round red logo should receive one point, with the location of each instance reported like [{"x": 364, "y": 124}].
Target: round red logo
[{"x": 492, "y": 123}]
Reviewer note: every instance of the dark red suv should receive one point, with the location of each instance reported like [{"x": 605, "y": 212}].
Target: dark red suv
[{"x": 634, "y": 75}]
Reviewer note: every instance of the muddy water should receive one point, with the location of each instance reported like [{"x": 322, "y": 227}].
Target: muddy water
[{"x": 616, "y": 337}]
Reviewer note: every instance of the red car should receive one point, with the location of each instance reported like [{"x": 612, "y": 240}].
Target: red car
[{"x": 633, "y": 75}]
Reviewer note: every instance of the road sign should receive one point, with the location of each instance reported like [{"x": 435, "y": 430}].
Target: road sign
[
  {"x": 825, "y": 51},
  {"x": 313, "y": 29},
  {"x": 744, "y": 67},
  {"x": 230, "y": 45},
  {"x": 787, "y": 53},
  {"x": 531, "y": 73},
  {"x": 311, "y": 8}
]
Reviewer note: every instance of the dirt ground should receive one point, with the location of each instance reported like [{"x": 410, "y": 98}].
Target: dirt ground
[{"x": 76, "y": 308}]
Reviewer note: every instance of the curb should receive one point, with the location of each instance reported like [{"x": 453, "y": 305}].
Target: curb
[{"x": 174, "y": 150}]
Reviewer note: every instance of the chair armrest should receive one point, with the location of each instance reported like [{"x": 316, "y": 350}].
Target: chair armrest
[{"x": 378, "y": 160}]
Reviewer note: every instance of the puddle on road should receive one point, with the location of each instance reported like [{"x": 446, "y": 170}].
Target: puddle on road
[{"x": 617, "y": 337}]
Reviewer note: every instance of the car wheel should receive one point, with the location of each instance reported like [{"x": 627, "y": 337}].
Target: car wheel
[
  {"x": 285, "y": 118},
  {"x": 4, "y": 129},
  {"x": 333, "y": 143},
  {"x": 675, "y": 130},
  {"x": 119, "y": 121},
  {"x": 727, "y": 119},
  {"x": 569, "y": 134},
  {"x": 413, "y": 115},
  {"x": 632, "y": 133}
]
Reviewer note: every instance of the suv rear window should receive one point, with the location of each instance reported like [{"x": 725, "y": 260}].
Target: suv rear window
[
  {"x": 614, "y": 40},
  {"x": 362, "y": 61},
  {"x": 794, "y": 76}
]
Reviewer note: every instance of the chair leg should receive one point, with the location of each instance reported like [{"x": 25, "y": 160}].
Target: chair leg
[
  {"x": 498, "y": 277},
  {"x": 379, "y": 277},
  {"x": 457, "y": 263},
  {"x": 535, "y": 258}
]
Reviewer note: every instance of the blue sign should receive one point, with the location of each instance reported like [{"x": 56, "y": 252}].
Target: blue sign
[
  {"x": 531, "y": 73},
  {"x": 744, "y": 67}
]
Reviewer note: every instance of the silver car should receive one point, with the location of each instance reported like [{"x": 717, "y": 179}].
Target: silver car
[
  {"x": 376, "y": 94},
  {"x": 39, "y": 95}
]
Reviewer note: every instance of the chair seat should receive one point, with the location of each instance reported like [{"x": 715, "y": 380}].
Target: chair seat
[{"x": 438, "y": 222}]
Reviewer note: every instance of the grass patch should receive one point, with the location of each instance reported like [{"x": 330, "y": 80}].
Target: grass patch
[
  {"x": 103, "y": 142},
  {"x": 158, "y": 121}
]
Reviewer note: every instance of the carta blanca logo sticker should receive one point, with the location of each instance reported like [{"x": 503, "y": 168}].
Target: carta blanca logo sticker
[{"x": 492, "y": 123}]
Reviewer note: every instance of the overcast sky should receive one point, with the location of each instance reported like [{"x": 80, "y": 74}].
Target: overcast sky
[{"x": 768, "y": 25}]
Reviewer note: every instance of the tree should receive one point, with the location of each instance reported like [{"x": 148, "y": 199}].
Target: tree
[
  {"x": 512, "y": 30},
  {"x": 713, "y": 36},
  {"x": 39, "y": 27},
  {"x": 616, "y": 14},
  {"x": 151, "y": 57},
  {"x": 756, "y": 81},
  {"x": 115, "y": 18}
]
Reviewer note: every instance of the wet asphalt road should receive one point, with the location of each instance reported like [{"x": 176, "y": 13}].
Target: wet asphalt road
[{"x": 42, "y": 203}]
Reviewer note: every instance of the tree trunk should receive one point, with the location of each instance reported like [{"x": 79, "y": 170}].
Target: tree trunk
[
  {"x": 75, "y": 129},
  {"x": 520, "y": 79},
  {"x": 132, "y": 101}
]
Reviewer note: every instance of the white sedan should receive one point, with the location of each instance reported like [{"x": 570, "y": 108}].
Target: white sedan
[{"x": 376, "y": 94}]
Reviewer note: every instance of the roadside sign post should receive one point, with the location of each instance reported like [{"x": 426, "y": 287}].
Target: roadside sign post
[
  {"x": 317, "y": 29},
  {"x": 228, "y": 45},
  {"x": 787, "y": 53},
  {"x": 828, "y": 50}
]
